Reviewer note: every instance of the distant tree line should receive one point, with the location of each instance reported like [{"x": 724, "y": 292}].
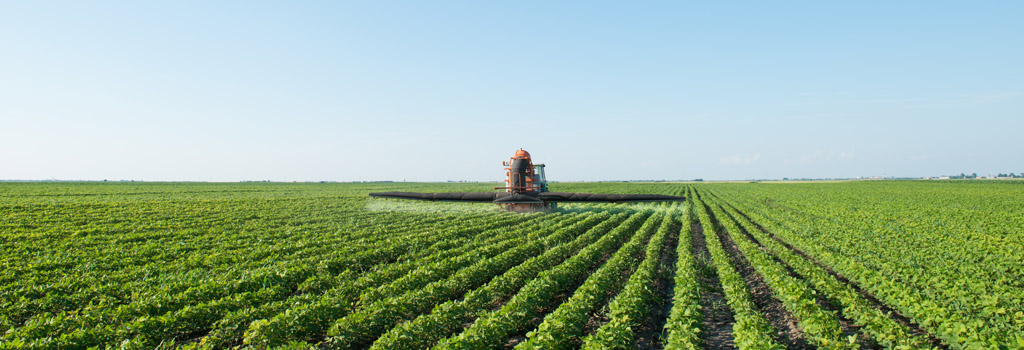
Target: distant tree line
[{"x": 975, "y": 176}]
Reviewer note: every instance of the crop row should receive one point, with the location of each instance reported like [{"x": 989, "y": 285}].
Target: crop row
[
  {"x": 903, "y": 265},
  {"x": 920, "y": 273},
  {"x": 326, "y": 296},
  {"x": 682, "y": 329},
  {"x": 89, "y": 325},
  {"x": 563, "y": 328},
  {"x": 880, "y": 326},
  {"x": 448, "y": 317},
  {"x": 515, "y": 316},
  {"x": 368, "y": 323},
  {"x": 627, "y": 310},
  {"x": 110, "y": 280},
  {"x": 312, "y": 311},
  {"x": 751, "y": 329},
  {"x": 820, "y": 326}
]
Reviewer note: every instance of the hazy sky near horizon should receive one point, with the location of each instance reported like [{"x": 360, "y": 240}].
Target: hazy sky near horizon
[{"x": 431, "y": 91}]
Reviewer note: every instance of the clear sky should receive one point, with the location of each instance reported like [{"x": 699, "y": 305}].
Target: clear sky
[{"x": 429, "y": 91}]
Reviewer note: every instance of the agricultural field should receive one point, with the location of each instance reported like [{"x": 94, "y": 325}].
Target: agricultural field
[{"x": 868, "y": 265}]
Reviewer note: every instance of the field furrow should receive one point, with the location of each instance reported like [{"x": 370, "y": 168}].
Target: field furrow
[{"x": 848, "y": 265}]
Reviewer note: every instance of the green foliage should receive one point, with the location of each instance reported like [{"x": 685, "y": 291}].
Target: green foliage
[
  {"x": 628, "y": 309},
  {"x": 563, "y": 328},
  {"x": 300, "y": 266},
  {"x": 751, "y": 329},
  {"x": 944, "y": 254},
  {"x": 682, "y": 329},
  {"x": 820, "y": 326}
]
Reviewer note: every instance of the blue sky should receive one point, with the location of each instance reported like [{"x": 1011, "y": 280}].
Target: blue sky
[{"x": 428, "y": 91}]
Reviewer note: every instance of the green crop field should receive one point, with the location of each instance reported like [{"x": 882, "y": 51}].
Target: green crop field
[{"x": 847, "y": 265}]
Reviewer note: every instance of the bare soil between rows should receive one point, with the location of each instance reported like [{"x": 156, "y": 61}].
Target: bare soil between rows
[
  {"x": 716, "y": 325},
  {"x": 847, "y": 326},
  {"x": 595, "y": 318},
  {"x": 895, "y": 315},
  {"x": 789, "y": 333},
  {"x": 648, "y": 335}
]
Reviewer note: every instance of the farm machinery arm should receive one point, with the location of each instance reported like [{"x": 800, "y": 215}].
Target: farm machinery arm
[{"x": 540, "y": 197}]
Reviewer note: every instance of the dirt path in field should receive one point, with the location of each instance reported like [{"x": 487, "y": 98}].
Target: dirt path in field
[
  {"x": 913, "y": 327},
  {"x": 789, "y": 333},
  {"x": 716, "y": 327},
  {"x": 648, "y": 335}
]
